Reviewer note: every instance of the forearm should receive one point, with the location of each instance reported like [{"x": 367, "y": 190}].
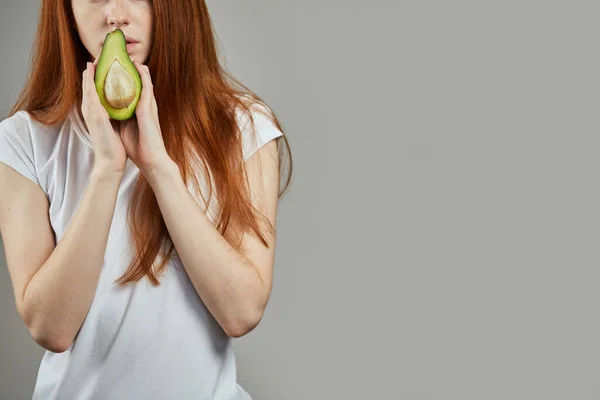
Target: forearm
[
  {"x": 226, "y": 281},
  {"x": 58, "y": 297}
]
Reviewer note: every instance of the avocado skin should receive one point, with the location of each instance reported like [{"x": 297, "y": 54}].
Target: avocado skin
[{"x": 115, "y": 47}]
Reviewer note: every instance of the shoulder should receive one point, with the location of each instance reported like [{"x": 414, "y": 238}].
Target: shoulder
[
  {"x": 24, "y": 127},
  {"x": 26, "y": 144},
  {"x": 16, "y": 146},
  {"x": 23, "y": 124},
  {"x": 15, "y": 131},
  {"x": 16, "y": 123},
  {"x": 258, "y": 126}
]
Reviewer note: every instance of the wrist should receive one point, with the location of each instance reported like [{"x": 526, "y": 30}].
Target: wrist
[
  {"x": 103, "y": 173},
  {"x": 165, "y": 167}
]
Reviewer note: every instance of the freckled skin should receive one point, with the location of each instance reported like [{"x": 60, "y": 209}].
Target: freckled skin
[{"x": 95, "y": 19}]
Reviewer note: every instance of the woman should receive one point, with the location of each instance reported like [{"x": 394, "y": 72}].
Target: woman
[{"x": 137, "y": 249}]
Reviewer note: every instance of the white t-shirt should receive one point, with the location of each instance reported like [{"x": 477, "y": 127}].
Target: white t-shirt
[{"x": 138, "y": 341}]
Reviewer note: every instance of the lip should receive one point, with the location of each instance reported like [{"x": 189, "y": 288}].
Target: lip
[{"x": 128, "y": 39}]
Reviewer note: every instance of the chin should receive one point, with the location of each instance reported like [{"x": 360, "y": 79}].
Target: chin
[{"x": 135, "y": 57}]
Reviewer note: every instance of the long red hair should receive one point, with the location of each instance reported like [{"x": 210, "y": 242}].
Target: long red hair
[{"x": 197, "y": 113}]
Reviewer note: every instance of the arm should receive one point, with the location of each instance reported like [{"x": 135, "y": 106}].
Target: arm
[
  {"x": 234, "y": 286},
  {"x": 54, "y": 285}
]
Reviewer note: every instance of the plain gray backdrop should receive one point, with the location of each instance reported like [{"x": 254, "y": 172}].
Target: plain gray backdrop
[{"x": 440, "y": 238}]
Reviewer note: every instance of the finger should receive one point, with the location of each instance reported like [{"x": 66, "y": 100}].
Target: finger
[
  {"x": 147, "y": 87},
  {"x": 92, "y": 68},
  {"x": 96, "y": 60},
  {"x": 154, "y": 106},
  {"x": 91, "y": 85},
  {"x": 84, "y": 79}
]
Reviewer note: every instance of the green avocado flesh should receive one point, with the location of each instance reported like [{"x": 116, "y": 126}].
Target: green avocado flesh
[{"x": 117, "y": 80}]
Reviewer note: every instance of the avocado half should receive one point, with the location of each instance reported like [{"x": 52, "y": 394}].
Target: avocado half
[{"x": 118, "y": 82}]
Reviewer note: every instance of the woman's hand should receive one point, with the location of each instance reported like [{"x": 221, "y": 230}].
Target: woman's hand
[
  {"x": 142, "y": 135},
  {"x": 109, "y": 151}
]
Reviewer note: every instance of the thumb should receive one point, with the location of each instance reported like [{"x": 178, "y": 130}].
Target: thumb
[
  {"x": 116, "y": 125},
  {"x": 129, "y": 127}
]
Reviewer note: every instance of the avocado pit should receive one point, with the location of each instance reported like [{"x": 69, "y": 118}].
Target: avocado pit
[{"x": 119, "y": 88}]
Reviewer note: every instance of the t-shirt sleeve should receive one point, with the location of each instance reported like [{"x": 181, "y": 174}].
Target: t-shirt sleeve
[
  {"x": 264, "y": 131},
  {"x": 16, "y": 147}
]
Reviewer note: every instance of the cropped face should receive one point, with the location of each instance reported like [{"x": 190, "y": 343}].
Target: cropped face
[{"x": 96, "y": 18}]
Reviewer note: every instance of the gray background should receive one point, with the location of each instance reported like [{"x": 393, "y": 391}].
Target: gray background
[{"x": 440, "y": 239}]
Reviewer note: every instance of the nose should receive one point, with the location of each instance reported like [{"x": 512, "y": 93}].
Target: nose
[{"x": 117, "y": 14}]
